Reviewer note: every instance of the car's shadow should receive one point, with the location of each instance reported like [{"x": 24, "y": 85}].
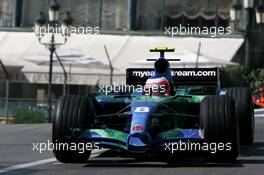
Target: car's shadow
[
  {"x": 256, "y": 149},
  {"x": 253, "y": 154},
  {"x": 111, "y": 159},
  {"x": 128, "y": 163},
  {"x": 248, "y": 155}
]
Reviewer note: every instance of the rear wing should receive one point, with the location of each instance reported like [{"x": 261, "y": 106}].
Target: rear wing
[{"x": 180, "y": 76}]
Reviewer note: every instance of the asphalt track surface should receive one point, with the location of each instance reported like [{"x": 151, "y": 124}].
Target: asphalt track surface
[{"x": 17, "y": 157}]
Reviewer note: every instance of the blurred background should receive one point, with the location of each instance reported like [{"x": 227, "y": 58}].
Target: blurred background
[{"x": 29, "y": 88}]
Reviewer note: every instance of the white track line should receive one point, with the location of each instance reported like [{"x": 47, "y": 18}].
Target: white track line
[
  {"x": 259, "y": 110},
  {"x": 27, "y": 165},
  {"x": 41, "y": 162}
]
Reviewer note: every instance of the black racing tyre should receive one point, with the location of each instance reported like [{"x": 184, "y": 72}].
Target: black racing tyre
[
  {"x": 245, "y": 113},
  {"x": 219, "y": 126},
  {"x": 71, "y": 111}
]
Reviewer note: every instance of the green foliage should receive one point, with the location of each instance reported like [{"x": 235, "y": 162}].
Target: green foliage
[
  {"x": 237, "y": 75},
  {"x": 234, "y": 75},
  {"x": 25, "y": 115},
  {"x": 257, "y": 78}
]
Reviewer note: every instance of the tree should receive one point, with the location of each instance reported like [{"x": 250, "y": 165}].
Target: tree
[
  {"x": 234, "y": 75},
  {"x": 257, "y": 78}
]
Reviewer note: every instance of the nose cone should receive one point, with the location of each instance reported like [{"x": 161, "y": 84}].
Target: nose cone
[
  {"x": 139, "y": 139},
  {"x": 141, "y": 108}
]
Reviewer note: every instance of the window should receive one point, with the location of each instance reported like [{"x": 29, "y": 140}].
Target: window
[
  {"x": 106, "y": 14},
  {"x": 6, "y": 13},
  {"x": 192, "y": 13}
]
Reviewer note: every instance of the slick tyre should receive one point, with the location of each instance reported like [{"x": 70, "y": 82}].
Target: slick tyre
[
  {"x": 220, "y": 126},
  {"x": 245, "y": 113},
  {"x": 71, "y": 111}
]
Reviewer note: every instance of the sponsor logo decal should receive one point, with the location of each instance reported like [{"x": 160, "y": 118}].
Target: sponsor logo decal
[
  {"x": 142, "y": 109},
  {"x": 138, "y": 128},
  {"x": 178, "y": 73}
]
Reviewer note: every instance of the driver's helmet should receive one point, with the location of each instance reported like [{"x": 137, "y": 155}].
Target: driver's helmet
[{"x": 157, "y": 86}]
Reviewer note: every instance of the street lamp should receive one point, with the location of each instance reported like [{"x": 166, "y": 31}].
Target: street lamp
[
  {"x": 235, "y": 11},
  {"x": 248, "y": 4},
  {"x": 66, "y": 24},
  {"x": 40, "y": 23},
  {"x": 260, "y": 13},
  {"x": 248, "y": 15},
  {"x": 54, "y": 11}
]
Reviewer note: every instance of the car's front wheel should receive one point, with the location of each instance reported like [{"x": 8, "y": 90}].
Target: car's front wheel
[
  {"x": 220, "y": 128},
  {"x": 71, "y": 111}
]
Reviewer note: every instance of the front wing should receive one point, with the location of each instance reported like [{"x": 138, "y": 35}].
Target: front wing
[{"x": 113, "y": 139}]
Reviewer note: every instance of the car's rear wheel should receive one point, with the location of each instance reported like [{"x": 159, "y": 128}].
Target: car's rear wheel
[
  {"x": 245, "y": 113},
  {"x": 220, "y": 127},
  {"x": 71, "y": 111}
]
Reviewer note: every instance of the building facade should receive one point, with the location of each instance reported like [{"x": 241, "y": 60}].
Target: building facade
[
  {"x": 122, "y": 17},
  {"x": 116, "y": 14}
]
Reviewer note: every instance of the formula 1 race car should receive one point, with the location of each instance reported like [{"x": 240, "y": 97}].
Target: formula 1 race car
[{"x": 168, "y": 107}]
